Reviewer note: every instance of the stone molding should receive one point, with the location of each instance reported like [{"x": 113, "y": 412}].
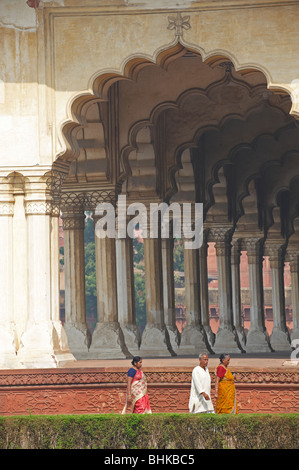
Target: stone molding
[
  {"x": 292, "y": 258},
  {"x": 73, "y": 221},
  {"x": 6, "y": 208},
  {"x": 42, "y": 377},
  {"x": 87, "y": 200},
  {"x": 38, "y": 207}
]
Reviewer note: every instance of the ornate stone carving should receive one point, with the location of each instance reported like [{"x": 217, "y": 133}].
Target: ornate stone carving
[
  {"x": 87, "y": 200},
  {"x": 222, "y": 238},
  {"x": 6, "y": 208},
  {"x": 253, "y": 247},
  {"x": 84, "y": 390},
  {"x": 38, "y": 207},
  {"x": 73, "y": 221},
  {"x": 292, "y": 258},
  {"x": 179, "y": 23},
  {"x": 235, "y": 252},
  {"x": 276, "y": 252}
]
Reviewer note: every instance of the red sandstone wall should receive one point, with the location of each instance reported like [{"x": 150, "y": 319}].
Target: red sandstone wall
[{"x": 74, "y": 391}]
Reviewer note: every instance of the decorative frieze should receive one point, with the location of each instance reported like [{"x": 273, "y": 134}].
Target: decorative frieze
[
  {"x": 6, "y": 208},
  {"x": 254, "y": 250},
  {"x": 276, "y": 253},
  {"x": 222, "y": 238},
  {"x": 87, "y": 200},
  {"x": 38, "y": 207},
  {"x": 73, "y": 221},
  {"x": 82, "y": 390},
  {"x": 292, "y": 258}
]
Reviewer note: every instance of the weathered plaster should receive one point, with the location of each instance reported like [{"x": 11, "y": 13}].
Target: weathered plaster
[{"x": 15, "y": 14}]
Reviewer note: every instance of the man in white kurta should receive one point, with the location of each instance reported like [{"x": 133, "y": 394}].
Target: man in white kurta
[{"x": 200, "y": 395}]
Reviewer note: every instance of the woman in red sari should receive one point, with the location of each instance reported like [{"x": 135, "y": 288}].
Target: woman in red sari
[
  {"x": 137, "y": 395},
  {"x": 225, "y": 391}
]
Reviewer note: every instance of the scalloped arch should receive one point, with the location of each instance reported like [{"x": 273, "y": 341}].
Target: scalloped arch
[{"x": 101, "y": 81}]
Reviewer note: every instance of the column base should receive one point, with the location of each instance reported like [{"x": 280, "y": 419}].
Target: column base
[
  {"x": 211, "y": 337},
  {"x": 131, "y": 338},
  {"x": 241, "y": 338},
  {"x": 174, "y": 337},
  {"x": 108, "y": 342},
  {"x": 40, "y": 348},
  {"x": 295, "y": 334},
  {"x": 257, "y": 341},
  {"x": 8, "y": 349},
  {"x": 78, "y": 338},
  {"x": 193, "y": 341},
  {"x": 155, "y": 341},
  {"x": 226, "y": 342},
  {"x": 280, "y": 340}
]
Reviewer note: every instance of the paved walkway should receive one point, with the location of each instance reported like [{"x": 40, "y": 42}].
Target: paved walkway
[{"x": 260, "y": 361}]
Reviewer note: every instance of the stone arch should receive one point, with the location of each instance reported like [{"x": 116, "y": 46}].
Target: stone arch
[
  {"x": 178, "y": 108},
  {"x": 100, "y": 84}
]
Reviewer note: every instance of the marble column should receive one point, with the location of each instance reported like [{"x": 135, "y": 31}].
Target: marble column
[
  {"x": 65, "y": 353},
  {"x": 8, "y": 336},
  {"x": 257, "y": 338},
  {"x": 279, "y": 339},
  {"x": 126, "y": 295},
  {"x": 39, "y": 344},
  {"x": 168, "y": 293},
  {"x": 107, "y": 339},
  {"x": 236, "y": 293},
  {"x": 226, "y": 338},
  {"x": 204, "y": 289},
  {"x": 193, "y": 338},
  {"x": 74, "y": 272},
  {"x": 294, "y": 268},
  {"x": 155, "y": 338}
]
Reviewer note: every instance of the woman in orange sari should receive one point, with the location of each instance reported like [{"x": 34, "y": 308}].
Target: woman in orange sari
[
  {"x": 225, "y": 391},
  {"x": 137, "y": 396}
]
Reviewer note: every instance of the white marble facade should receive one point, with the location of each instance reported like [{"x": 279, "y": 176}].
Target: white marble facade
[{"x": 145, "y": 104}]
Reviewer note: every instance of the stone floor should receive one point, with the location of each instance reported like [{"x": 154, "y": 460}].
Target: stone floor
[{"x": 269, "y": 360}]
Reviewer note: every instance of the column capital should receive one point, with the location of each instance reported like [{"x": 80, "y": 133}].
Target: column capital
[
  {"x": 235, "y": 251},
  {"x": 221, "y": 234},
  {"x": 73, "y": 220},
  {"x": 276, "y": 253},
  {"x": 253, "y": 246},
  {"x": 37, "y": 206},
  {"x": 7, "y": 208},
  {"x": 292, "y": 258}
]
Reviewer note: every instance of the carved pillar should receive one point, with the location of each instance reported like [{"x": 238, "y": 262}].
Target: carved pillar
[
  {"x": 193, "y": 339},
  {"x": 226, "y": 338},
  {"x": 293, "y": 259},
  {"x": 8, "y": 339},
  {"x": 168, "y": 293},
  {"x": 39, "y": 345},
  {"x": 257, "y": 338},
  {"x": 204, "y": 288},
  {"x": 65, "y": 354},
  {"x": 74, "y": 272},
  {"x": 155, "y": 338},
  {"x": 107, "y": 339},
  {"x": 125, "y": 295},
  {"x": 236, "y": 292},
  {"x": 279, "y": 338}
]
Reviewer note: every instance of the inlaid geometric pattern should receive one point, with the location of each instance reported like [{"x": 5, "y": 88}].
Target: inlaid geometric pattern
[{"x": 75, "y": 391}]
